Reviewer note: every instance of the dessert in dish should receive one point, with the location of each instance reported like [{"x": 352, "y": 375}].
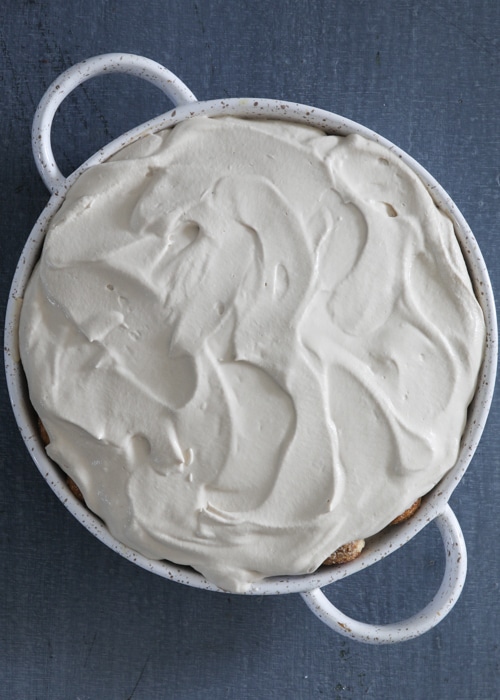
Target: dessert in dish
[{"x": 250, "y": 343}]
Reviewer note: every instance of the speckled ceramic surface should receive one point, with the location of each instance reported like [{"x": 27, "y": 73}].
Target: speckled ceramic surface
[{"x": 435, "y": 506}]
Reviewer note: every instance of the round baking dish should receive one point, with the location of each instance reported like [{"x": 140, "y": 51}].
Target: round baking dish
[{"x": 435, "y": 505}]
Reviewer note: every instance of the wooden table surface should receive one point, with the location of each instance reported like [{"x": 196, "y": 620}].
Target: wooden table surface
[{"x": 76, "y": 620}]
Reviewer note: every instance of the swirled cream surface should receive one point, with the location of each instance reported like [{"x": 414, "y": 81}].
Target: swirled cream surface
[{"x": 250, "y": 343}]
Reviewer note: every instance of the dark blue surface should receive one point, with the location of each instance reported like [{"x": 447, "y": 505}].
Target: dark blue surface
[{"x": 76, "y": 620}]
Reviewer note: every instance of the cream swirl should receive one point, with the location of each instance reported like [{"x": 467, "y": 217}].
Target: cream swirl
[{"x": 251, "y": 342}]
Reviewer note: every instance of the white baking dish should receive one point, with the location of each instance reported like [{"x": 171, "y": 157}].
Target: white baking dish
[{"x": 435, "y": 506}]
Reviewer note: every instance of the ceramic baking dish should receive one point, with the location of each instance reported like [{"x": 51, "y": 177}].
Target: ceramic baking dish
[{"x": 435, "y": 506}]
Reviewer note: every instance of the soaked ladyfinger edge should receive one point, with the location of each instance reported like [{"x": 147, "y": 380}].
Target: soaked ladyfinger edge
[
  {"x": 352, "y": 550},
  {"x": 43, "y": 433},
  {"x": 407, "y": 513},
  {"x": 74, "y": 489},
  {"x": 71, "y": 484},
  {"x": 346, "y": 553}
]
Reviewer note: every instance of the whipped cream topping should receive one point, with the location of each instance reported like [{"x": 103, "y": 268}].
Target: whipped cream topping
[{"x": 250, "y": 343}]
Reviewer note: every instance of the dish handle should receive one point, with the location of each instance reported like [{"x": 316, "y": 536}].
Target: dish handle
[
  {"x": 423, "y": 621},
  {"x": 130, "y": 64}
]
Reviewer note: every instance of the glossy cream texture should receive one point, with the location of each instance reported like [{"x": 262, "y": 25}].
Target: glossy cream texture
[{"x": 251, "y": 343}]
